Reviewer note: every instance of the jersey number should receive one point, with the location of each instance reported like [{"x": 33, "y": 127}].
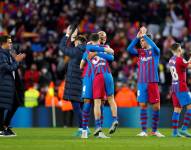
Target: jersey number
[
  {"x": 174, "y": 73},
  {"x": 95, "y": 60}
]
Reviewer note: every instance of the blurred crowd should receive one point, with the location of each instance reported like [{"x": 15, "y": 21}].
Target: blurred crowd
[{"x": 38, "y": 25}]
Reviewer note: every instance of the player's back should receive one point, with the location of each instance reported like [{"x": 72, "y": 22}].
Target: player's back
[
  {"x": 100, "y": 65},
  {"x": 178, "y": 67},
  {"x": 105, "y": 66}
]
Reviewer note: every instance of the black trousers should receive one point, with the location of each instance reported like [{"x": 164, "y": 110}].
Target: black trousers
[
  {"x": 2, "y": 110},
  {"x": 5, "y": 119}
]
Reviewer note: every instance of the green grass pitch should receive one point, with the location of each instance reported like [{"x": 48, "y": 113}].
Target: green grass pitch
[{"x": 62, "y": 139}]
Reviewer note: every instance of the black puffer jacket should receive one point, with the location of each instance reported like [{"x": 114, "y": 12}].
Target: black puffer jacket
[
  {"x": 7, "y": 82},
  {"x": 73, "y": 86}
]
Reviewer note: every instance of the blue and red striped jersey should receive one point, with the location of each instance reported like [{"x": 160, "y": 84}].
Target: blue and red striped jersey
[
  {"x": 178, "y": 67},
  {"x": 148, "y": 60},
  {"x": 97, "y": 64}
]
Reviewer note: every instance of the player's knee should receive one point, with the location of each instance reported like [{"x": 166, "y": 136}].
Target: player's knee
[
  {"x": 177, "y": 109},
  {"x": 110, "y": 98},
  {"x": 156, "y": 106},
  {"x": 189, "y": 106},
  {"x": 97, "y": 103},
  {"x": 111, "y": 102},
  {"x": 87, "y": 101},
  {"x": 143, "y": 105}
]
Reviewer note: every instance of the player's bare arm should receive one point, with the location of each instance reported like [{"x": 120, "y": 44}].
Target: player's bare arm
[{"x": 82, "y": 64}]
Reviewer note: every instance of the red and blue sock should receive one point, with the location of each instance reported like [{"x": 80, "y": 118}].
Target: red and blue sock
[
  {"x": 186, "y": 121},
  {"x": 86, "y": 115},
  {"x": 175, "y": 122},
  {"x": 114, "y": 118},
  {"x": 97, "y": 123},
  {"x": 155, "y": 120},
  {"x": 143, "y": 118}
]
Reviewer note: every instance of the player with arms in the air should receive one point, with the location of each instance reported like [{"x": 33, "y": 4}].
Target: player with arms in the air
[{"x": 148, "y": 91}]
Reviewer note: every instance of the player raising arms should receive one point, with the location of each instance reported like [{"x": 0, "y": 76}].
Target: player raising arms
[
  {"x": 180, "y": 93},
  {"x": 148, "y": 92}
]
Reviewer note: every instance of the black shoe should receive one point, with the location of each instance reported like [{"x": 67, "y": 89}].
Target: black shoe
[
  {"x": 8, "y": 133},
  {"x": 97, "y": 131},
  {"x": 113, "y": 127}
]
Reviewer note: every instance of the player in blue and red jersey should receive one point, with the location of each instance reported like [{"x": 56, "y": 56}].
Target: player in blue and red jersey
[
  {"x": 88, "y": 78},
  {"x": 148, "y": 92},
  {"x": 102, "y": 86},
  {"x": 180, "y": 92},
  {"x": 110, "y": 98}
]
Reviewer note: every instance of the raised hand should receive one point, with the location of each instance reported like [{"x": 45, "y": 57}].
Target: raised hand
[
  {"x": 20, "y": 57},
  {"x": 143, "y": 30},
  {"x": 74, "y": 34},
  {"x": 68, "y": 31},
  {"x": 139, "y": 34}
]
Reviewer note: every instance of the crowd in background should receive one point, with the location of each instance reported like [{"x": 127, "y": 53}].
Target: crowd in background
[{"x": 37, "y": 27}]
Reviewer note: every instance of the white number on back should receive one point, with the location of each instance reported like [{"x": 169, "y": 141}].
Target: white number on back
[
  {"x": 95, "y": 60},
  {"x": 174, "y": 73}
]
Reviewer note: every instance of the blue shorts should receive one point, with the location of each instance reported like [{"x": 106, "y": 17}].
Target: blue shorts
[
  {"x": 148, "y": 92},
  {"x": 87, "y": 89},
  {"x": 181, "y": 99},
  {"x": 109, "y": 84}
]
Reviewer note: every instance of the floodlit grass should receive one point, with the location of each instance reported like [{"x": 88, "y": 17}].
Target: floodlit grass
[{"x": 62, "y": 138}]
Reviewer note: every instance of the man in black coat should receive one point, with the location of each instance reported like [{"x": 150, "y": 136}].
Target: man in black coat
[
  {"x": 73, "y": 86},
  {"x": 8, "y": 75}
]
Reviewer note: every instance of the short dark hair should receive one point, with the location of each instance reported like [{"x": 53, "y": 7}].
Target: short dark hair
[
  {"x": 150, "y": 36},
  {"x": 94, "y": 37},
  {"x": 4, "y": 38},
  {"x": 175, "y": 47},
  {"x": 81, "y": 38}
]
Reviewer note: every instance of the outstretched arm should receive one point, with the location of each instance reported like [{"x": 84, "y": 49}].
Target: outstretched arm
[
  {"x": 94, "y": 48},
  {"x": 97, "y": 48},
  {"x": 106, "y": 56}
]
